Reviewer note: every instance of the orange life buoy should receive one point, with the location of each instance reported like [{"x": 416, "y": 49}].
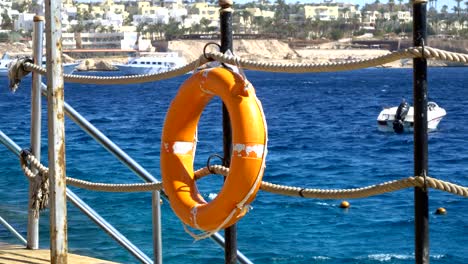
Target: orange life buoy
[{"x": 178, "y": 145}]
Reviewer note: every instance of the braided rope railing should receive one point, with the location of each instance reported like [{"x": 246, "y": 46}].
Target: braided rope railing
[
  {"x": 122, "y": 79},
  {"x": 413, "y": 52},
  {"x": 103, "y": 187},
  {"x": 362, "y": 192}
]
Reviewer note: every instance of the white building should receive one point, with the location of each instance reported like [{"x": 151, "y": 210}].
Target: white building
[
  {"x": 404, "y": 16},
  {"x": 24, "y": 22},
  {"x": 121, "y": 40},
  {"x": 158, "y": 15},
  {"x": 111, "y": 19},
  {"x": 179, "y": 14},
  {"x": 5, "y": 4}
]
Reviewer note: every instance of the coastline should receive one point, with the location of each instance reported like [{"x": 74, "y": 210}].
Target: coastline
[{"x": 266, "y": 50}]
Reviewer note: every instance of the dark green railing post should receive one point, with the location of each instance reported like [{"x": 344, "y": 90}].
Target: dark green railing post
[
  {"x": 421, "y": 197},
  {"x": 230, "y": 233}
]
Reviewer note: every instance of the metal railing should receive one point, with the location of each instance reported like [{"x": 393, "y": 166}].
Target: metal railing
[
  {"x": 56, "y": 106},
  {"x": 88, "y": 211},
  {"x": 93, "y": 215},
  {"x": 32, "y": 241},
  {"x": 125, "y": 159}
]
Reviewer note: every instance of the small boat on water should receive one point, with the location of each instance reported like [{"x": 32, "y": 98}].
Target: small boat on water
[
  {"x": 155, "y": 63},
  {"x": 5, "y": 61},
  {"x": 400, "y": 119}
]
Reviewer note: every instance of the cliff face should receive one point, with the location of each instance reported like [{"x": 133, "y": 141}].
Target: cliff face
[
  {"x": 268, "y": 49},
  {"x": 273, "y": 50}
]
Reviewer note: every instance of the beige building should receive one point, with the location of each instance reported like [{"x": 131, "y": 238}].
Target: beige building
[
  {"x": 321, "y": 12},
  {"x": 257, "y": 12},
  {"x": 110, "y": 7},
  {"x": 205, "y": 11}
]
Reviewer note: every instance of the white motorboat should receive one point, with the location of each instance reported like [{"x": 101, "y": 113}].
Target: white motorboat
[
  {"x": 4, "y": 63},
  {"x": 400, "y": 118},
  {"x": 156, "y": 63}
]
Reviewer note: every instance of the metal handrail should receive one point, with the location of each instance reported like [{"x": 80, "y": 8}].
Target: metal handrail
[
  {"x": 88, "y": 211},
  {"x": 13, "y": 231}
]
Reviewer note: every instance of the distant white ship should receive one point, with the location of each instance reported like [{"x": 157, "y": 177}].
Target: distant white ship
[{"x": 155, "y": 63}]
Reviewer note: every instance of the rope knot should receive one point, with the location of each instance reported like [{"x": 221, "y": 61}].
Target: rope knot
[
  {"x": 40, "y": 185},
  {"x": 16, "y": 72},
  {"x": 25, "y": 153}
]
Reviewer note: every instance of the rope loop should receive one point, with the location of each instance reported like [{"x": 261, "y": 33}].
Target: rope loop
[
  {"x": 208, "y": 162},
  {"x": 204, "y": 50}
]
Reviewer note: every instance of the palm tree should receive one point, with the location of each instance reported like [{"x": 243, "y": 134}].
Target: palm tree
[
  {"x": 258, "y": 22},
  {"x": 195, "y": 28},
  {"x": 7, "y": 23},
  {"x": 205, "y": 23},
  {"x": 282, "y": 10},
  {"x": 391, "y": 5},
  {"x": 444, "y": 11},
  {"x": 245, "y": 16},
  {"x": 458, "y": 7},
  {"x": 400, "y": 2}
]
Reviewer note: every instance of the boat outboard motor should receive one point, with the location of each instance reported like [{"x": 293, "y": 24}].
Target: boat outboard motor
[{"x": 400, "y": 115}]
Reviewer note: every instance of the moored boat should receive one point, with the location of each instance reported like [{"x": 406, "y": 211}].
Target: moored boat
[
  {"x": 156, "y": 63},
  {"x": 4, "y": 62},
  {"x": 400, "y": 118}
]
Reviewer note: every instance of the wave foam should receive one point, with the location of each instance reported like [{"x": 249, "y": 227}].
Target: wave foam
[
  {"x": 212, "y": 195},
  {"x": 387, "y": 257}
]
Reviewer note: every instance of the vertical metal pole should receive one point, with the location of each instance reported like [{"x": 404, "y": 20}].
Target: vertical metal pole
[
  {"x": 421, "y": 197},
  {"x": 157, "y": 241},
  {"x": 230, "y": 233},
  {"x": 36, "y": 106},
  {"x": 56, "y": 133}
]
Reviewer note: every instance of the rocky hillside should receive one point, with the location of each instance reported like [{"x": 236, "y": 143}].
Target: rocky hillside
[
  {"x": 273, "y": 50},
  {"x": 269, "y": 49}
]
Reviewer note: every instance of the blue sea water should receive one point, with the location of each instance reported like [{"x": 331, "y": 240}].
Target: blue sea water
[{"x": 322, "y": 134}]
